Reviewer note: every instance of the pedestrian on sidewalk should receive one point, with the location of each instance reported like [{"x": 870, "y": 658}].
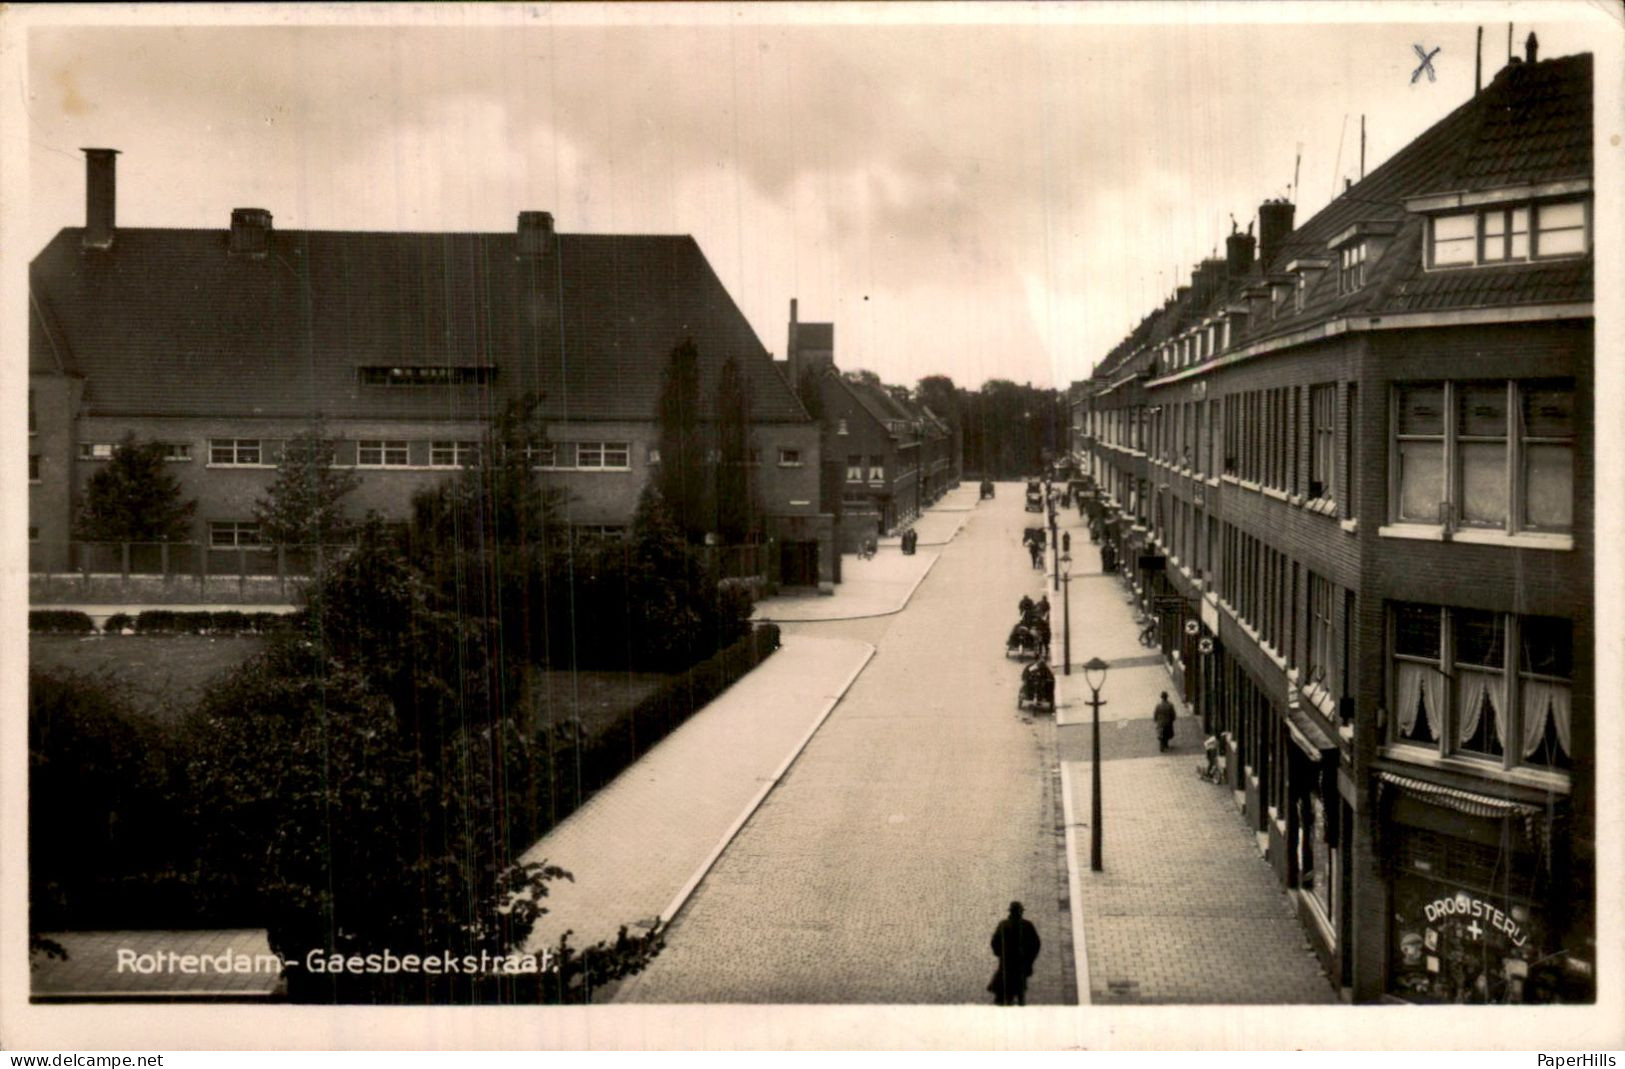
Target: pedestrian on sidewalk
[
  {"x": 1163, "y": 717},
  {"x": 1037, "y": 553},
  {"x": 1016, "y": 944}
]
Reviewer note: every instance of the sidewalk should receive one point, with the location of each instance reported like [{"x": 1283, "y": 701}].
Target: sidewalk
[
  {"x": 640, "y": 845},
  {"x": 1185, "y": 910},
  {"x": 880, "y": 586}
]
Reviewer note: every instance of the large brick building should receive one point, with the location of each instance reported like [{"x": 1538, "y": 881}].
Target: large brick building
[
  {"x": 1352, "y": 476},
  {"x": 224, "y": 344}
]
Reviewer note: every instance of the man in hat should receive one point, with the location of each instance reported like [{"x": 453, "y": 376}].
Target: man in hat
[{"x": 1016, "y": 944}]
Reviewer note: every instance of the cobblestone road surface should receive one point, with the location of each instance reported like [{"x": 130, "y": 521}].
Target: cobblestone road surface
[{"x": 877, "y": 869}]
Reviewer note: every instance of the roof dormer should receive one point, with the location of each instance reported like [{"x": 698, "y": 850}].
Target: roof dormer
[
  {"x": 1305, "y": 272},
  {"x": 1544, "y": 221},
  {"x": 1357, "y": 246}
]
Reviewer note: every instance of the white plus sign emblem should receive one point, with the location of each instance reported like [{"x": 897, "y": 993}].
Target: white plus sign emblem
[{"x": 1475, "y": 929}]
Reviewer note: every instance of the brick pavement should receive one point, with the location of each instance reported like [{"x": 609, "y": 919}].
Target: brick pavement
[
  {"x": 1186, "y": 910},
  {"x": 877, "y": 869}
]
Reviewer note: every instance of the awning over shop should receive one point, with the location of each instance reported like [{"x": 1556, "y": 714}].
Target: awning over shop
[
  {"x": 1470, "y": 802},
  {"x": 1309, "y": 736}
]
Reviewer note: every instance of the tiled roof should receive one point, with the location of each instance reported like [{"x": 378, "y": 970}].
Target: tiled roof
[
  {"x": 169, "y": 323},
  {"x": 1536, "y": 126}
]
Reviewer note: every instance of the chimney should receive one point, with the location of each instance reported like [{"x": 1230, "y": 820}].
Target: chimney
[
  {"x": 1238, "y": 253},
  {"x": 791, "y": 356},
  {"x": 100, "y": 200},
  {"x": 535, "y": 234},
  {"x": 1274, "y": 224},
  {"x": 1531, "y": 46},
  {"x": 250, "y": 232}
]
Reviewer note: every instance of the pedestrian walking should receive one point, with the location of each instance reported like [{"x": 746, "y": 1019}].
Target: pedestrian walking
[
  {"x": 1163, "y": 717},
  {"x": 1016, "y": 945},
  {"x": 1036, "y": 551}
]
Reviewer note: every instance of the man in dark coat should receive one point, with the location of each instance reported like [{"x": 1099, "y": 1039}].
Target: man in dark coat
[
  {"x": 1163, "y": 717},
  {"x": 1016, "y": 944}
]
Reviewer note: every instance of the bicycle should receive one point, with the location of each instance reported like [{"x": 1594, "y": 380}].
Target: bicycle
[{"x": 1148, "y": 631}]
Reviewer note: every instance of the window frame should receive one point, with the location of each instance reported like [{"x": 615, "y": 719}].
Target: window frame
[
  {"x": 453, "y": 453},
  {"x": 1448, "y": 747},
  {"x": 382, "y": 448},
  {"x": 1514, "y": 456},
  {"x": 236, "y": 448},
  {"x": 1505, "y": 218},
  {"x": 238, "y": 529}
]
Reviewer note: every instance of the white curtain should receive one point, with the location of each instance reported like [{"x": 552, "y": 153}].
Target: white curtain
[
  {"x": 1539, "y": 697},
  {"x": 1419, "y": 680},
  {"x": 1474, "y": 687}
]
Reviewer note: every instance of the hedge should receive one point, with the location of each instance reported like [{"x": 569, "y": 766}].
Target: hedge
[
  {"x": 118, "y": 623},
  {"x": 608, "y": 754},
  {"x": 60, "y": 621},
  {"x": 226, "y": 621}
]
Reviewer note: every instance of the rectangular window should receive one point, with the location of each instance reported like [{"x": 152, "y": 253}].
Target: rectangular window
[
  {"x": 232, "y": 534},
  {"x": 789, "y": 458},
  {"x": 1420, "y": 452},
  {"x": 1560, "y": 229},
  {"x": 379, "y": 453},
  {"x": 1325, "y": 660},
  {"x": 840, "y": 426},
  {"x": 95, "y": 450},
  {"x": 1481, "y": 453},
  {"x": 546, "y": 455},
  {"x": 33, "y": 426},
  {"x": 1453, "y": 239},
  {"x": 854, "y": 469},
  {"x": 1511, "y": 446},
  {"x": 877, "y": 469},
  {"x": 1322, "y": 440},
  {"x": 1462, "y": 697},
  {"x": 618, "y": 455},
  {"x": 235, "y": 452},
  {"x": 1504, "y": 235},
  {"x": 33, "y": 468},
  {"x": 1351, "y": 267},
  {"x": 33, "y": 534},
  {"x": 453, "y": 454}
]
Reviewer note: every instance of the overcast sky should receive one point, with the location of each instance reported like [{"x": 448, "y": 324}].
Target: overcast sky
[{"x": 958, "y": 195}]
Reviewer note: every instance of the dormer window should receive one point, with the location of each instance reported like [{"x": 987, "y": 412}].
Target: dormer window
[
  {"x": 1351, "y": 267},
  {"x": 1509, "y": 233}
]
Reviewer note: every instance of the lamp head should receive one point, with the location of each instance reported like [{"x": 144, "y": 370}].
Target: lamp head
[{"x": 1094, "y": 673}]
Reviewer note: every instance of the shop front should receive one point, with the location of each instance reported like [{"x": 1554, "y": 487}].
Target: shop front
[{"x": 1472, "y": 918}]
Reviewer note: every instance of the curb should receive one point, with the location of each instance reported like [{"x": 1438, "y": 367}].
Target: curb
[
  {"x": 1080, "y": 948},
  {"x": 669, "y": 914},
  {"x": 862, "y": 615}
]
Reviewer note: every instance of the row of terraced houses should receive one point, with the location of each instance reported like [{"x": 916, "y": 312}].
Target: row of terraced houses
[
  {"x": 1349, "y": 469},
  {"x": 404, "y": 347}
]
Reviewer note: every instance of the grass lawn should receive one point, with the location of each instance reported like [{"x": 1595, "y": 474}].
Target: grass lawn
[
  {"x": 164, "y": 675},
  {"x": 600, "y": 698},
  {"x": 160, "y": 675}
]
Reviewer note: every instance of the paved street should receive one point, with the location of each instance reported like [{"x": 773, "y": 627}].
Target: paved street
[
  {"x": 877, "y": 869},
  {"x": 1185, "y": 910}
]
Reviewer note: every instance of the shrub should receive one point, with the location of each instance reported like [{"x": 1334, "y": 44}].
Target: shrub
[
  {"x": 193, "y": 623},
  {"x": 119, "y": 623},
  {"x": 230, "y": 621},
  {"x": 662, "y": 712},
  {"x": 59, "y": 621},
  {"x": 156, "y": 621},
  {"x": 266, "y": 622}
]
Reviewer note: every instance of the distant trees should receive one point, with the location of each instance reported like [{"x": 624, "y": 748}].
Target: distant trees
[
  {"x": 682, "y": 476},
  {"x": 738, "y": 512},
  {"x": 304, "y": 505},
  {"x": 1010, "y": 429},
  {"x": 938, "y": 393},
  {"x": 134, "y": 499}
]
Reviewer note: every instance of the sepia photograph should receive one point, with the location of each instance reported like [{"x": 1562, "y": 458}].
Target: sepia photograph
[{"x": 947, "y": 526}]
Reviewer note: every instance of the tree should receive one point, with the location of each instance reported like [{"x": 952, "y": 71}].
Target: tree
[
  {"x": 737, "y": 508},
  {"x": 937, "y": 392},
  {"x": 133, "y": 499},
  {"x": 682, "y": 480},
  {"x": 811, "y": 394},
  {"x": 305, "y": 503},
  {"x": 368, "y": 784}
]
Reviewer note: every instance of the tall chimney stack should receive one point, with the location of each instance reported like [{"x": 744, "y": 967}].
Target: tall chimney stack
[
  {"x": 250, "y": 232},
  {"x": 1274, "y": 224},
  {"x": 100, "y": 197},
  {"x": 1238, "y": 253},
  {"x": 1531, "y": 46}
]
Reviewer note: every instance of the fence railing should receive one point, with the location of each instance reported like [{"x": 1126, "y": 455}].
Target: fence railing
[{"x": 178, "y": 560}]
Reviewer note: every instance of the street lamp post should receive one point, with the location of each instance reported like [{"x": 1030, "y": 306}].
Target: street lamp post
[
  {"x": 1056, "y": 540},
  {"x": 1094, "y": 673},
  {"x": 1066, "y": 614}
]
